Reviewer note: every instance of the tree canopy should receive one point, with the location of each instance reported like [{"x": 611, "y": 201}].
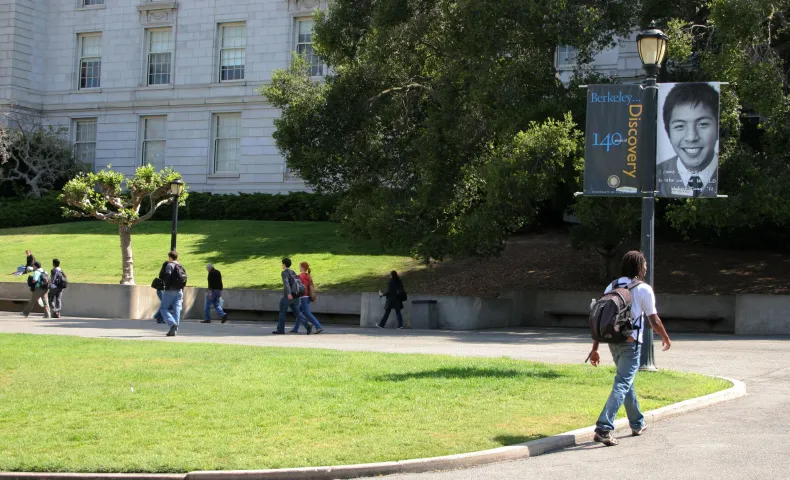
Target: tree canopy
[{"x": 444, "y": 125}]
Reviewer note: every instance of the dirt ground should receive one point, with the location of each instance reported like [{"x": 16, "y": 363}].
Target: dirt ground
[{"x": 546, "y": 261}]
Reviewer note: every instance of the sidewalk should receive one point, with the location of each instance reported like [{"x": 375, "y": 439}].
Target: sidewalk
[{"x": 746, "y": 438}]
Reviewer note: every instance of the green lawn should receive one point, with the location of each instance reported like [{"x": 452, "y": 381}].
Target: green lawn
[
  {"x": 72, "y": 404},
  {"x": 248, "y": 253}
]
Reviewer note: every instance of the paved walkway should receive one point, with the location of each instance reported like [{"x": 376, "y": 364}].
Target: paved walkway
[{"x": 746, "y": 438}]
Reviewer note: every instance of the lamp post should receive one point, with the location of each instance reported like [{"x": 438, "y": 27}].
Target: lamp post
[
  {"x": 652, "y": 44},
  {"x": 176, "y": 188}
]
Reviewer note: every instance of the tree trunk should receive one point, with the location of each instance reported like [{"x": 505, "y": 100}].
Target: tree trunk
[
  {"x": 608, "y": 269},
  {"x": 126, "y": 253}
]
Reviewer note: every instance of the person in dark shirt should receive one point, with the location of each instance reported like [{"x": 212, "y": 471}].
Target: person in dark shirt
[
  {"x": 173, "y": 294},
  {"x": 214, "y": 295}
]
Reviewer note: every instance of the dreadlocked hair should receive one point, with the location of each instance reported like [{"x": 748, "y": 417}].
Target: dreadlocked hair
[{"x": 633, "y": 265}]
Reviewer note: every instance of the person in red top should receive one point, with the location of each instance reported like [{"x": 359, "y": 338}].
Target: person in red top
[{"x": 304, "y": 301}]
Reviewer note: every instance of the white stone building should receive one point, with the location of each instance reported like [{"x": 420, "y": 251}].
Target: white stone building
[
  {"x": 172, "y": 83},
  {"x": 167, "y": 82}
]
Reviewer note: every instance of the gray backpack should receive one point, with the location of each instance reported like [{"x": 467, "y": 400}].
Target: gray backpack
[{"x": 611, "y": 320}]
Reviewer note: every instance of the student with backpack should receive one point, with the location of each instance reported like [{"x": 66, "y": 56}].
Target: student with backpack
[
  {"x": 293, "y": 288},
  {"x": 174, "y": 279},
  {"x": 38, "y": 281},
  {"x": 618, "y": 319},
  {"x": 56, "y": 286},
  {"x": 396, "y": 295},
  {"x": 305, "y": 299}
]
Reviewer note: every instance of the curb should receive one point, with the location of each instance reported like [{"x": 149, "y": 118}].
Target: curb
[{"x": 448, "y": 462}]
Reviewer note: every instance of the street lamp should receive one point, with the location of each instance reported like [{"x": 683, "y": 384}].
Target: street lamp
[
  {"x": 652, "y": 45},
  {"x": 176, "y": 188}
]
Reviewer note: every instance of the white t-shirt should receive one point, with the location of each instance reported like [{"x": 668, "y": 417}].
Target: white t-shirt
[{"x": 643, "y": 300}]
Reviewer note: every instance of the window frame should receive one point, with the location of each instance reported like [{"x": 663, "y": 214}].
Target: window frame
[
  {"x": 322, "y": 65},
  {"x": 171, "y": 51},
  {"x": 221, "y": 48},
  {"x": 215, "y": 139},
  {"x": 76, "y": 122},
  {"x": 81, "y": 57},
  {"x": 569, "y": 53},
  {"x": 143, "y": 140},
  {"x": 85, "y": 4}
]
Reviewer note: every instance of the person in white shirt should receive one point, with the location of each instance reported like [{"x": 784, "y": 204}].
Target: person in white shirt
[{"x": 626, "y": 355}]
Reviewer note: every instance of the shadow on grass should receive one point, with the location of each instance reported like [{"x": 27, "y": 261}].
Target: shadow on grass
[
  {"x": 506, "y": 440},
  {"x": 453, "y": 373}
]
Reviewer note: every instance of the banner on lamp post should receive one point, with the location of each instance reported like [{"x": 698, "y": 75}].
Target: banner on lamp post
[
  {"x": 615, "y": 136},
  {"x": 687, "y": 155}
]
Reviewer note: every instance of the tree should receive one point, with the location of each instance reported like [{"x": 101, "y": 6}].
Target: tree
[
  {"x": 423, "y": 99},
  {"x": 37, "y": 157},
  {"x": 102, "y": 196}
]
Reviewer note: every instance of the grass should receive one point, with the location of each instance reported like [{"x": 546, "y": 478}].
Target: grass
[
  {"x": 247, "y": 253},
  {"x": 94, "y": 405}
]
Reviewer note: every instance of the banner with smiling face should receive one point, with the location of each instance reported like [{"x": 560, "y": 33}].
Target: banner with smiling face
[{"x": 687, "y": 159}]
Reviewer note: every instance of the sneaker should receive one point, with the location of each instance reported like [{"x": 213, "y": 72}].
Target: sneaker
[
  {"x": 309, "y": 329},
  {"x": 400, "y": 328},
  {"x": 639, "y": 432},
  {"x": 319, "y": 331},
  {"x": 172, "y": 332},
  {"x": 378, "y": 326},
  {"x": 56, "y": 315},
  {"x": 606, "y": 438},
  {"x": 205, "y": 321},
  {"x": 225, "y": 318},
  {"x": 277, "y": 332}
]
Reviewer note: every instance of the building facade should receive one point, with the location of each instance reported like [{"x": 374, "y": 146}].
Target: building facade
[{"x": 172, "y": 83}]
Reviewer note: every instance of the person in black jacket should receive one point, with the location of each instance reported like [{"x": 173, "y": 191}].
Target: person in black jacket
[
  {"x": 395, "y": 294},
  {"x": 213, "y": 295},
  {"x": 173, "y": 278}
]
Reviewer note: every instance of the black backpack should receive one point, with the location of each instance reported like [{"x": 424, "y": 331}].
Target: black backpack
[
  {"x": 60, "y": 280},
  {"x": 178, "y": 278},
  {"x": 611, "y": 320},
  {"x": 297, "y": 287}
]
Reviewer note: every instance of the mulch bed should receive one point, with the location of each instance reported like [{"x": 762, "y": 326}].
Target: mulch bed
[{"x": 546, "y": 261}]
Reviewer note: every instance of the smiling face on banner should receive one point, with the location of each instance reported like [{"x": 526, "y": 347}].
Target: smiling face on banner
[{"x": 688, "y": 142}]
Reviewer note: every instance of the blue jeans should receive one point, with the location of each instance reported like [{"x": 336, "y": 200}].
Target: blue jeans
[
  {"x": 383, "y": 321},
  {"x": 304, "y": 306},
  {"x": 294, "y": 304},
  {"x": 171, "y": 300},
  {"x": 212, "y": 300},
  {"x": 157, "y": 315},
  {"x": 626, "y": 358}
]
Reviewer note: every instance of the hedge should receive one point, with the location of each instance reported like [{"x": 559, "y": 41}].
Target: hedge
[{"x": 296, "y": 206}]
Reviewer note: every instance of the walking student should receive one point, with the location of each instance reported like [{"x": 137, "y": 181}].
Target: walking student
[
  {"x": 291, "y": 294},
  {"x": 38, "y": 281},
  {"x": 626, "y": 354},
  {"x": 174, "y": 279},
  {"x": 58, "y": 282},
  {"x": 309, "y": 296},
  {"x": 214, "y": 295},
  {"x": 396, "y": 295},
  {"x": 159, "y": 286}
]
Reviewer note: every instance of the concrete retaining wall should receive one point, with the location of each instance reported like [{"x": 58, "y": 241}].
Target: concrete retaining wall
[{"x": 742, "y": 314}]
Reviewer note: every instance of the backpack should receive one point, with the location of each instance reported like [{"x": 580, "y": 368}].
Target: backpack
[
  {"x": 178, "y": 278},
  {"x": 611, "y": 320},
  {"x": 297, "y": 287},
  {"x": 312, "y": 293},
  {"x": 60, "y": 280}
]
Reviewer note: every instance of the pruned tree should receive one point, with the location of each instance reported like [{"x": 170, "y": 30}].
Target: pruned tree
[
  {"x": 102, "y": 196},
  {"x": 38, "y": 157}
]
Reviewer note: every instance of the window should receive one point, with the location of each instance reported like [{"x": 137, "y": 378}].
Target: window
[
  {"x": 566, "y": 56},
  {"x": 304, "y": 47},
  {"x": 232, "y": 52},
  {"x": 154, "y": 141},
  {"x": 90, "y": 60},
  {"x": 90, "y": 3},
  {"x": 160, "y": 55},
  {"x": 85, "y": 141},
  {"x": 227, "y": 142}
]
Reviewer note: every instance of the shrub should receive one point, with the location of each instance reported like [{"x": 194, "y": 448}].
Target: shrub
[{"x": 29, "y": 211}]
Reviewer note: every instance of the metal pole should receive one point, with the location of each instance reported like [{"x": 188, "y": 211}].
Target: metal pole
[
  {"x": 649, "y": 204},
  {"x": 175, "y": 224}
]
